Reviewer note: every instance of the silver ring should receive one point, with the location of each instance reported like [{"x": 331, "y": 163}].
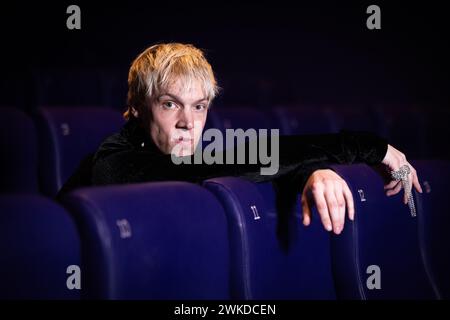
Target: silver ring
[{"x": 402, "y": 173}]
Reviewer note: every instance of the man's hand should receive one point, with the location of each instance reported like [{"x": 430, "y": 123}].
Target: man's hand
[
  {"x": 393, "y": 160},
  {"x": 331, "y": 195}
]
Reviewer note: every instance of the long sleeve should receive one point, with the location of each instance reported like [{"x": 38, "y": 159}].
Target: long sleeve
[{"x": 118, "y": 164}]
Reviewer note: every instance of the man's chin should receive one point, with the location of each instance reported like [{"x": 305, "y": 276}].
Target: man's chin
[{"x": 183, "y": 152}]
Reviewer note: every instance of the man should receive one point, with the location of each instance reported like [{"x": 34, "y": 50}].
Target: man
[{"x": 170, "y": 89}]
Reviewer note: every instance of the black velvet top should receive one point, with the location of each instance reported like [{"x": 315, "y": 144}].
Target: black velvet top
[{"x": 131, "y": 157}]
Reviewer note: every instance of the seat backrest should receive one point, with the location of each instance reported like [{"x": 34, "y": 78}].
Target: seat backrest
[
  {"x": 69, "y": 86},
  {"x": 306, "y": 120},
  {"x": 273, "y": 256},
  {"x": 40, "y": 249},
  {"x": 381, "y": 247},
  {"x": 163, "y": 240},
  {"x": 434, "y": 221},
  {"x": 359, "y": 118},
  {"x": 18, "y": 161},
  {"x": 245, "y": 118},
  {"x": 435, "y": 137},
  {"x": 66, "y": 136},
  {"x": 406, "y": 129}
]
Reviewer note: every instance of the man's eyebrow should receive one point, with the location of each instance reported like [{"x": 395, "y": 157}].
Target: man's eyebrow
[{"x": 178, "y": 99}]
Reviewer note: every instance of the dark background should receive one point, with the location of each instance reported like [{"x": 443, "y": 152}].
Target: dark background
[{"x": 264, "y": 53}]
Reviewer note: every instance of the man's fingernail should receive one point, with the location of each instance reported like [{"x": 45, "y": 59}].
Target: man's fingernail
[{"x": 329, "y": 228}]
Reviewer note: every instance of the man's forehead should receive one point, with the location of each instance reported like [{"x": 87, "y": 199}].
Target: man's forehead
[{"x": 185, "y": 90}]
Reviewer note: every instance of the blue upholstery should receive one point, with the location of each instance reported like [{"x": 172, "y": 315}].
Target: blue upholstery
[
  {"x": 434, "y": 221},
  {"x": 67, "y": 135},
  {"x": 38, "y": 242},
  {"x": 359, "y": 118},
  {"x": 437, "y": 133},
  {"x": 70, "y": 87},
  {"x": 411, "y": 120},
  {"x": 18, "y": 162},
  {"x": 306, "y": 120},
  {"x": 163, "y": 240},
  {"x": 244, "y": 118},
  {"x": 383, "y": 234},
  {"x": 273, "y": 256}
]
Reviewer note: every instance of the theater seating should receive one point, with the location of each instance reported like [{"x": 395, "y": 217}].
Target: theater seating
[
  {"x": 66, "y": 136},
  {"x": 406, "y": 130},
  {"x": 229, "y": 238},
  {"x": 436, "y": 135},
  {"x": 18, "y": 162},
  {"x": 272, "y": 255},
  {"x": 434, "y": 222},
  {"x": 306, "y": 120},
  {"x": 223, "y": 118},
  {"x": 359, "y": 118},
  {"x": 152, "y": 241},
  {"x": 69, "y": 87},
  {"x": 38, "y": 243},
  {"x": 383, "y": 235}
]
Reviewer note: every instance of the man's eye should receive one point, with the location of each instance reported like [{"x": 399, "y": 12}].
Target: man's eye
[
  {"x": 169, "y": 105},
  {"x": 200, "y": 107}
]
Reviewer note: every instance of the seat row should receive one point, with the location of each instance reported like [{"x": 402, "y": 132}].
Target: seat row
[
  {"x": 228, "y": 238},
  {"x": 41, "y": 151}
]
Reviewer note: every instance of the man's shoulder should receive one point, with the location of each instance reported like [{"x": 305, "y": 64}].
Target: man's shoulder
[{"x": 113, "y": 144}]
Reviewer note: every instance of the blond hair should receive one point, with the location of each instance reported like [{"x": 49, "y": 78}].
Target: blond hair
[{"x": 154, "y": 69}]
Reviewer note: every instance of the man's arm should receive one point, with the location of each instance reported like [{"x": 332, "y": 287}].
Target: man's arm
[{"x": 301, "y": 152}]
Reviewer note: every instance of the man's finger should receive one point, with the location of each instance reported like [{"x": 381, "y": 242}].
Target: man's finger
[
  {"x": 322, "y": 208},
  {"x": 390, "y": 185},
  {"x": 333, "y": 209},
  {"x": 349, "y": 200},
  {"x": 306, "y": 211},
  {"x": 396, "y": 190},
  {"x": 339, "y": 194}
]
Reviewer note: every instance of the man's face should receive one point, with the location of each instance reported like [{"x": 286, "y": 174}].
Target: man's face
[{"x": 178, "y": 118}]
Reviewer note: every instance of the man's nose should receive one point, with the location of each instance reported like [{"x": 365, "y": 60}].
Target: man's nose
[{"x": 186, "y": 120}]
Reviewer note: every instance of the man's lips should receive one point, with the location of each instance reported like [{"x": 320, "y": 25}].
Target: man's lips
[{"x": 184, "y": 140}]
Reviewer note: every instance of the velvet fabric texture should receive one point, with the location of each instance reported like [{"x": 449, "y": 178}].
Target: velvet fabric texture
[{"x": 131, "y": 157}]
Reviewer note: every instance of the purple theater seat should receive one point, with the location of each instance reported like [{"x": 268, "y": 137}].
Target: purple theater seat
[
  {"x": 66, "y": 136},
  {"x": 384, "y": 235},
  {"x": 306, "y": 120},
  {"x": 19, "y": 159},
  {"x": 406, "y": 130},
  {"x": 38, "y": 243},
  {"x": 437, "y": 133},
  {"x": 359, "y": 118},
  {"x": 224, "y": 118},
  {"x": 434, "y": 221},
  {"x": 163, "y": 240},
  {"x": 69, "y": 86},
  {"x": 273, "y": 256}
]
